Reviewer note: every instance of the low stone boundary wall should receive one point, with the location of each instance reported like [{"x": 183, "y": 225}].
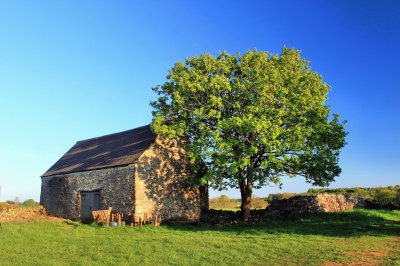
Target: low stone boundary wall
[
  {"x": 369, "y": 204},
  {"x": 300, "y": 205},
  {"x": 333, "y": 203},
  {"x": 222, "y": 217},
  {"x": 291, "y": 208}
]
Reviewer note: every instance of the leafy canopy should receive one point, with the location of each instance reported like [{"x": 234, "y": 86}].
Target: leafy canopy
[{"x": 256, "y": 117}]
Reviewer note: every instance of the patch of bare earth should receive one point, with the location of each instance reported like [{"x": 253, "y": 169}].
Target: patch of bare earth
[
  {"x": 368, "y": 258},
  {"x": 20, "y": 214},
  {"x": 365, "y": 253},
  {"x": 361, "y": 260}
]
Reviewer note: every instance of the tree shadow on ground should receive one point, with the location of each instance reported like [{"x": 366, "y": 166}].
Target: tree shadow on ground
[{"x": 340, "y": 224}]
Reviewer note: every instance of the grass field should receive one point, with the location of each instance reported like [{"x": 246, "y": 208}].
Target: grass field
[
  {"x": 349, "y": 238},
  {"x": 226, "y": 203}
]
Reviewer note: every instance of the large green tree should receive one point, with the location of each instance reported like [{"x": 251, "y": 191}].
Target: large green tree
[{"x": 251, "y": 119}]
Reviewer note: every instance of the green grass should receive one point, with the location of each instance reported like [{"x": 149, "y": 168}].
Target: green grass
[{"x": 366, "y": 237}]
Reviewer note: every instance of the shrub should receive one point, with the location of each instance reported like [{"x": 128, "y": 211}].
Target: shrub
[
  {"x": 386, "y": 196},
  {"x": 30, "y": 203},
  {"x": 279, "y": 196}
]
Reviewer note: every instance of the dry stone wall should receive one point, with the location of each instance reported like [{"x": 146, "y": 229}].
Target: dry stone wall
[
  {"x": 333, "y": 203},
  {"x": 60, "y": 194},
  {"x": 291, "y": 208},
  {"x": 300, "y": 205}
]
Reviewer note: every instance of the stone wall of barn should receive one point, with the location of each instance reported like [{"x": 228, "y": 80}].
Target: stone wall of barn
[
  {"x": 60, "y": 194},
  {"x": 155, "y": 184},
  {"x": 160, "y": 185}
]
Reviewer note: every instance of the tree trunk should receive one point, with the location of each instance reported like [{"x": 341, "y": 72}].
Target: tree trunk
[{"x": 246, "y": 189}]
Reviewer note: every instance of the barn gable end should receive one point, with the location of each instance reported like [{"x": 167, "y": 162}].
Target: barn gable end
[{"x": 160, "y": 184}]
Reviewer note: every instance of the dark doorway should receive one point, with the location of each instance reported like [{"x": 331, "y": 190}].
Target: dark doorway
[{"x": 90, "y": 201}]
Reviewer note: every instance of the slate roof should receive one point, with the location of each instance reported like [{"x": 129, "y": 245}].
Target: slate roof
[{"x": 112, "y": 150}]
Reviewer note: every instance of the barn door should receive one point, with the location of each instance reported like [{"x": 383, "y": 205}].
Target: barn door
[
  {"x": 90, "y": 201},
  {"x": 96, "y": 200}
]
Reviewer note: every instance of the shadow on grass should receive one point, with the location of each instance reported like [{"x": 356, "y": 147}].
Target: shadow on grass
[
  {"x": 340, "y": 224},
  {"x": 71, "y": 224}
]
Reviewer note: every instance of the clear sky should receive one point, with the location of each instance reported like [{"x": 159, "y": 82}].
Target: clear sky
[{"x": 71, "y": 70}]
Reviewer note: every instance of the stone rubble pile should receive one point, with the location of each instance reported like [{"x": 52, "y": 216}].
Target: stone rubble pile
[
  {"x": 334, "y": 203},
  {"x": 20, "y": 214}
]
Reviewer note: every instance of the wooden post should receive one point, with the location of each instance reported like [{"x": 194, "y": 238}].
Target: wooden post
[
  {"x": 135, "y": 219},
  {"x": 157, "y": 221}
]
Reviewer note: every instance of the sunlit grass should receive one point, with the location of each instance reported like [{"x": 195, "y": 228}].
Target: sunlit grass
[{"x": 366, "y": 236}]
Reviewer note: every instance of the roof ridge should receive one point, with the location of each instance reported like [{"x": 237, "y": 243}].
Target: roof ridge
[{"x": 111, "y": 134}]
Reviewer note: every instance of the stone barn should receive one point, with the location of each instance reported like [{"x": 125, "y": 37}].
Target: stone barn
[{"x": 130, "y": 171}]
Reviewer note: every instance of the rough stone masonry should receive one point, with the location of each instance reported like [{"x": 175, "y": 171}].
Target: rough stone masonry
[
  {"x": 292, "y": 208},
  {"x": 132, "y": 171}
]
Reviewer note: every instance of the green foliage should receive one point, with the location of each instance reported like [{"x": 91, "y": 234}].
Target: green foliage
[
  {"x": 223, "y": 197},
  {"x": 30, "y": 203},
  {"x": 387, "y": 196},
  {"x": 251, "y": 118},
  {"x": 26, "y": 203},
  {"x": 319, "y": 240}
]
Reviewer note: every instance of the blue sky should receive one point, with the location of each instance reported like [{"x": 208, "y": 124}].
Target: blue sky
[{"x": 71, "y": 70}]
